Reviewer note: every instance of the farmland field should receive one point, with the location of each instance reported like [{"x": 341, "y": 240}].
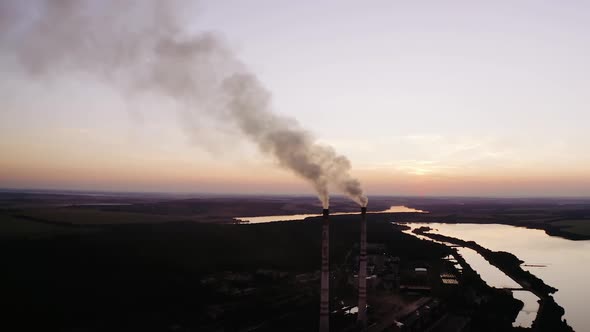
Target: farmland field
[
  {"x": 17, "y": 227},
  {"x": 578, "y": 226}
]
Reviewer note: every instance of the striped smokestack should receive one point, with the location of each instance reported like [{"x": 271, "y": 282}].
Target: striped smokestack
[
  {"x": 362, "y": 307},
  {"x": 325, "y": 281}
]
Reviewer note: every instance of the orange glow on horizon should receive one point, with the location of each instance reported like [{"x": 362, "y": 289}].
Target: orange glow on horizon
[{"x": 266, "y": 178}]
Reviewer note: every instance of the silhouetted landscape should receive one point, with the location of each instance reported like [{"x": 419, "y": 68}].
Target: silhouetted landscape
[
  {"x": 161, "y": 263},
  {"x": 264, "y": 166}
]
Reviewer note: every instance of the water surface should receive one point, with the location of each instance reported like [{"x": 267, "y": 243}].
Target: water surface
[
  {"x": 561, "y": 263},
  {"x": 264, "y": 219},
  {"x": 494, "y": 277}
]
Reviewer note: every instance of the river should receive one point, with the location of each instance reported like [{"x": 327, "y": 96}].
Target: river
[
  {"x": 561, "y": 263},
  {"x": 291, "y": 217}
]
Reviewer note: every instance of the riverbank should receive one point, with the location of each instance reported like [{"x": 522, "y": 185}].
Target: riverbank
[
  {"x": 549, "y": 317},
  {"x": 551, "y": 228},
  {"x": 568, "y": 218}
]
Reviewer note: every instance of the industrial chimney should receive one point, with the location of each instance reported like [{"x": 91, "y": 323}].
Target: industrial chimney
[
  {"x": 362, "y": 306},
  {"x": 325, "y": 280}
]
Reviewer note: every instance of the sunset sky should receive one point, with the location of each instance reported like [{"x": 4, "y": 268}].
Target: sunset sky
[{"x": 437, "y": 98}]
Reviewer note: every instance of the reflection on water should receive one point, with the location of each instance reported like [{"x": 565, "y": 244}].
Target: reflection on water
[
  {"x": 493, "y": 277},
  {"x": 496, "y": 278},
  {"x": 352, "y": 310},
  {"x": 399, "y": 208},
  {"x": 489, "y": 273},
  {"x": 263, "y": 219},
  {"x": 561, "y": 263},
  {"x": 527, "y": 315}
]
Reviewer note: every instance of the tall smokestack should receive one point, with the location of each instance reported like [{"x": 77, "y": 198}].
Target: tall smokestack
[
  {"x": 325, "y": 281},
  {"x": 362, "y": 306}
]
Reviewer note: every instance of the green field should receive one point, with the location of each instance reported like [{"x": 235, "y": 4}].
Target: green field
[
  {"x": 577, "y": 226},
  {"x": 50, "y": 221},
  {"x": 17, "y": 227},
  {"x": 92, "y": 216}
]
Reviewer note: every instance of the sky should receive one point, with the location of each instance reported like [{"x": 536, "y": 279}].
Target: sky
[{"x": 424, "y": 98}]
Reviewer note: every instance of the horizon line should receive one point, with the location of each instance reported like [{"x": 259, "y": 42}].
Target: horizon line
[{"x": 61, "y": 191}]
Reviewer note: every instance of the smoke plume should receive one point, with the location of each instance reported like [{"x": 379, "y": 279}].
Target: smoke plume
[{"x": 143, "y": 47}]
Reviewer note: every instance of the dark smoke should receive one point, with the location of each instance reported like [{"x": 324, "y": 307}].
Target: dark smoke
[{"x": 142, "y": 47}]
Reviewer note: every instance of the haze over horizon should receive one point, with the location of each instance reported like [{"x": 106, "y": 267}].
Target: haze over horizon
[{"x": 458, "y": 98}]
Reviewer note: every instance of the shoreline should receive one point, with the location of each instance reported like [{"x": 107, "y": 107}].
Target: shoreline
[
  {"x": 550, "y": 314},
  {"x": 547, "y": 227}
]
